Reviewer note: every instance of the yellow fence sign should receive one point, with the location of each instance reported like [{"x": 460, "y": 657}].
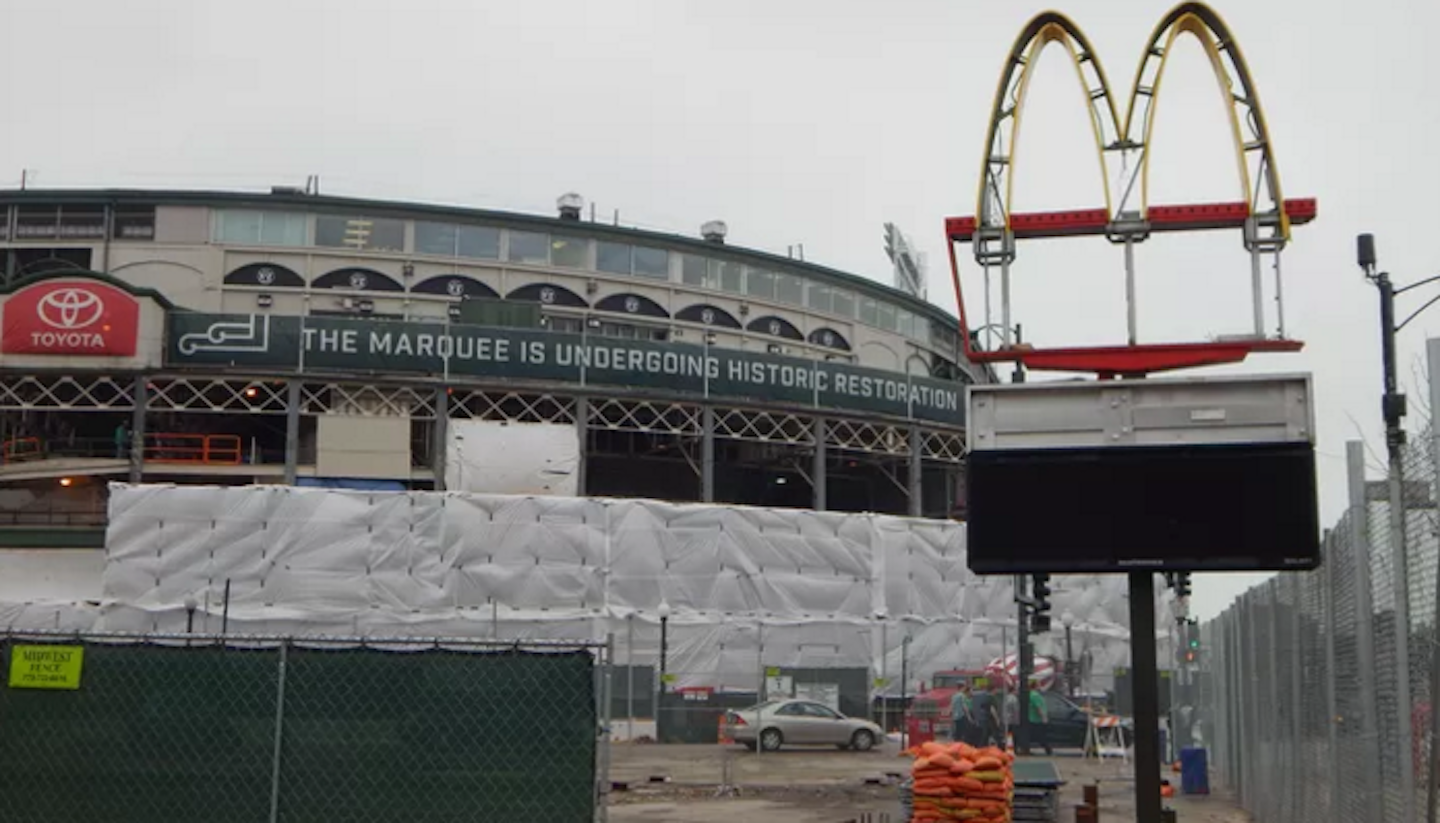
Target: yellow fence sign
[{"x": 46, "y": 667}]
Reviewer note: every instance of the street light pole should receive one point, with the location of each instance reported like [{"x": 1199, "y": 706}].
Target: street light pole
[
  {"x": 664, "y": 611},
  {"x": 1393, "y": 409},
  {"x": 1068, "y": 619}
]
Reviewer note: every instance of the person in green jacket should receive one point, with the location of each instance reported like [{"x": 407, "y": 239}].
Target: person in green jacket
[{"x": 1039, "y": 717}]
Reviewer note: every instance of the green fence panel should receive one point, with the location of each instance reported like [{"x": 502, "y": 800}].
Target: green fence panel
[
  {"x": 438, "y": 736},
  {"x": 152, "y": 734}
]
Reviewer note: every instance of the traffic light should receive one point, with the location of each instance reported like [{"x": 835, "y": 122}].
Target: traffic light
[
  {"x": 1192, "y": 641},
  {"x": 1182, "y": 584},
  {"x": 1040, "y": 591},
  {"x": 1039, "y": 623}
]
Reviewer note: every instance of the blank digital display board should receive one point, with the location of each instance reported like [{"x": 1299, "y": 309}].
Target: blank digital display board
[
  {"x": 1176, "y": 475},
  {"x": 1197, "y": 508}
]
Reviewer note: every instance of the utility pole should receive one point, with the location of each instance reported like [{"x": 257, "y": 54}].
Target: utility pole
[{"x": 1393, "y": 409}]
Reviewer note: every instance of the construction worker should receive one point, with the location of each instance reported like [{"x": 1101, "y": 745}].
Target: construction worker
[
  {"x": 1039, "y": 717},
  {"x": 982, "y": 711},
  {"x": 961, "y": 719}
]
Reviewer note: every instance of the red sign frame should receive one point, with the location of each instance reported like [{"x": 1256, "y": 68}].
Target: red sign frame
[{"x": 70, "y": 318}]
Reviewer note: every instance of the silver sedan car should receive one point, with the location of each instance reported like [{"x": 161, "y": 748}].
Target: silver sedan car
[{"x": 774, "y": 723}]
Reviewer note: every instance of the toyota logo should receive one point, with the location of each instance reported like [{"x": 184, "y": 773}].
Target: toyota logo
[{"x": 70, "y": 309}]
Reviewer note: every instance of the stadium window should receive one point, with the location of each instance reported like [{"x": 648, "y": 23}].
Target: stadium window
[
  {"x": 254, "y": 228},
  {"x": 652, "y": 262},
  {"x": 920, "y": 330},
  {"x": 134, "y": 222},
  {"x": 526, "y": 247},
  {"x": 760, "y": 283},
  {"x": 78, "y": 222},
  {"x": 790, "y": 288},
  {"x": 436, "y": 238},
  {"x": 4, "y": 222},
  {"x": 886, "y": 314},
  {"x": 818, "y": 297},
  {"x": 482, "y": 242},
  {"x": 843, "y": 304},
  {"x": 695, "y": 271},
  {"x": 35, "y": 222},
  {"x": 282, "y": 229},
  {"x": 567, "y": 325},
  {"x": 730, "y": 276},
  {"x": 904, "y": 322},
  {"x": 367, "y": 233},
  {"x": 569, "y": 252},
  {"x": 869, "y": 311},
  {"x": 612, "y": 257}
]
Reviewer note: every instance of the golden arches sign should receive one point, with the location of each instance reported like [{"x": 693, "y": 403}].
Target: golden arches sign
[{"x": 1127, "y": 142}]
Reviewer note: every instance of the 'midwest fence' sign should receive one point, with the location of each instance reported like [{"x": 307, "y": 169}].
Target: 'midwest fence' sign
[{"x": 461, "y": 352}]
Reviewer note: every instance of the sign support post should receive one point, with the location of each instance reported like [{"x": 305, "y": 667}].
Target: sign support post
[{"x": 1145, "y": 696}]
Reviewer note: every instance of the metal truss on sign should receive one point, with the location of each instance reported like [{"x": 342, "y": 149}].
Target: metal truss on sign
[
  {"x": 645, "y": 417},
  {"x": 948, "y": 447},
  {"x": 368, "y": 400},
  {"x": 873, "y": 438},
  {"x": 765, "y": 427},
  {"x": 511, "y": 407},
  {"x": 230, "y": 396},
  {"x": 269, "y": 396},
  {"x": 60, "y": 392}
]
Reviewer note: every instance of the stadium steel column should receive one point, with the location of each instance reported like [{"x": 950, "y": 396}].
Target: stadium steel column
[
  {"x": 440, "y": 434},
  {"x": 140, "y": 389},
  {"x": 582, "y": 431},
  {"x": 292, "y": 431},
  {"x": 817, "y": 467},
  {"x": 916, "y": 444},
  {"x": 707, "y": 455}
]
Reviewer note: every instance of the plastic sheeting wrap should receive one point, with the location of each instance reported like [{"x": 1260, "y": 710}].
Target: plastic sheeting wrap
[{"x": 817, "y": 589}]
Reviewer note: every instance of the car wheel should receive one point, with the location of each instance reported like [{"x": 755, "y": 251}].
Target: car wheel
[
  {"x": 862, "y": 741},
  {"x": 770, "y": 740}
]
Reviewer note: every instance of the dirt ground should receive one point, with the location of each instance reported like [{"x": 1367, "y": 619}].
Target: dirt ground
[{"x": 689, "y": 784}]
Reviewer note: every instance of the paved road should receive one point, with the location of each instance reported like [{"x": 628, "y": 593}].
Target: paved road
[{"x": 827, "y": 786}]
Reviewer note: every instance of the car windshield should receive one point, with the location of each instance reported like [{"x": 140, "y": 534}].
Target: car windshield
[{"x": 768, "y": 704}]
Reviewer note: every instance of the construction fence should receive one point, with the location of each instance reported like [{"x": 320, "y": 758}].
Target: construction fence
[
  {"x": 112, "y": 728},
  {"x": 1321, "y": 683}
]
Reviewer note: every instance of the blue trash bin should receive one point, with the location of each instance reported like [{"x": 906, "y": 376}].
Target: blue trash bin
[{"x": 1194, "y": 771}]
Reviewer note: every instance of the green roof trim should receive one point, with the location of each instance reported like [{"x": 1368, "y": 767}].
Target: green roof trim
[{"x": 87, "y": 274}]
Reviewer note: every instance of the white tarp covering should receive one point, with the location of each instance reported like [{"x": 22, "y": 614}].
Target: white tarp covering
[
  {"x": 747, "y": 588},
  {"x": 489, "y": 457}
]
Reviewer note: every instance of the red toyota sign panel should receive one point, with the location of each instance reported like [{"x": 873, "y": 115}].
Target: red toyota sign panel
[{"x": 70, "y": 317}]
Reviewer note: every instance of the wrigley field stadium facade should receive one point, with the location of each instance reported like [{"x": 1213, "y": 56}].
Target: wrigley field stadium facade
[{"x": 227, "y": 338}]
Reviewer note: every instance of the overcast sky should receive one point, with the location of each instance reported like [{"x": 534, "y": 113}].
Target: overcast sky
[{"x": 796, "y": 122}]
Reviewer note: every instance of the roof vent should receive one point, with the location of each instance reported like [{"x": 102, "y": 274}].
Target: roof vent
[
  {"x": 714, "y": 231},
  {"x": 570, "y": 205}
]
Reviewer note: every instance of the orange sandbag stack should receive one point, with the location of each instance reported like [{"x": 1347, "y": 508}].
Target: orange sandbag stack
[{"x": 960, "y": 782}]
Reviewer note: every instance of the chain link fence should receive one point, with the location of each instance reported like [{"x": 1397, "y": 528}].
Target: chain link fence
[
  {"x": 247, "y": 730},
  {"x": 1321, "y": 682}
]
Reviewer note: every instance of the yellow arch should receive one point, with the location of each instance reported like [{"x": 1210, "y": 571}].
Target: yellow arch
[
  {"x": 1211, "y": 31},
  {"x": 1045, "y": 28}
]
